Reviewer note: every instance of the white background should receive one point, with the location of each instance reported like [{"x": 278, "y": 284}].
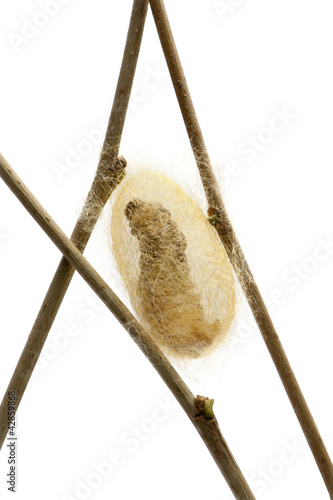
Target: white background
[{"x": 243, "y": 61}]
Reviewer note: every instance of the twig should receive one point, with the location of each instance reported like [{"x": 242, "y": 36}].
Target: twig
[
  {"x": 233, "y": 249},
  {"x": 207, "y": 427},
  {"x": 105, "y": 180}
]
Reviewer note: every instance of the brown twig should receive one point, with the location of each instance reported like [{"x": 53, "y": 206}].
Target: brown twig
[
  {"x": 107, "y": 175},
  {"x": 100, "y": 191},
  {"x": 234, "y": 251},
  {"x": 207, "y": 427}
]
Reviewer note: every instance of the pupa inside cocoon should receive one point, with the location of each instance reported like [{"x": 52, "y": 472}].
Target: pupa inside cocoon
[{"x": 175, "y": 270}]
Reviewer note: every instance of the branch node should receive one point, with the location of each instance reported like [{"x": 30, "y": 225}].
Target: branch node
[
  {"x": 120, "y": 164},
  {"x": 205, "y": 407},
  {"x": 214, "y": 215}
]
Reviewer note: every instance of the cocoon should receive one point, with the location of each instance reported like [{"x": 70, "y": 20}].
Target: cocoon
[{"x": 176, "y": 272}]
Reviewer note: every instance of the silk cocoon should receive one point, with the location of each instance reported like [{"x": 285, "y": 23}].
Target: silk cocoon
[{"x": 178, "y": 277}]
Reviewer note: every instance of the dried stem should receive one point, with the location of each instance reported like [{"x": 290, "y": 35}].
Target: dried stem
[
  {"x": 107, "y": 175},
  {"x": 101, "y": 189},
  {"x": 207, "y": 428},
  {"x": 234, "y": 251}
]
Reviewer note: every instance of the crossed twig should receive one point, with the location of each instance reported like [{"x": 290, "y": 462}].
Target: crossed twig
[{"x": 109, "y": 173}]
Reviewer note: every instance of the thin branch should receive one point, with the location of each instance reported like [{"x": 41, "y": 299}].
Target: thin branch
[
  {"x": 234, "y": 251},
  {"x": 207, "y": 427},
  {"x": 106, "y": 178},
  {"x": 101, "y": 189}
]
